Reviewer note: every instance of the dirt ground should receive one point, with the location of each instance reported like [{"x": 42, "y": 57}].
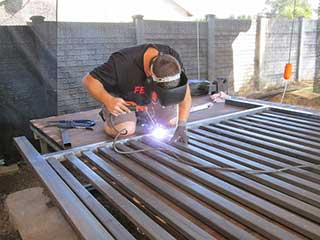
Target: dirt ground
[
  {"x": 303, "y": 97},
  {"x": 20, "y": 180}
]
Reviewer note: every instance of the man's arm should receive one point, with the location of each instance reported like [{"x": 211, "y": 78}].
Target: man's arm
[
  {"x": 180, "y": 135},
  {"x": 95, "y": 88},
  {"x": 184, "y": 107}
]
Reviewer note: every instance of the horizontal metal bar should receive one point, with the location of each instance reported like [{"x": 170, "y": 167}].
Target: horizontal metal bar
[
  {"x": 281, "y": 109},
  {"x": 226, "y": 117}
]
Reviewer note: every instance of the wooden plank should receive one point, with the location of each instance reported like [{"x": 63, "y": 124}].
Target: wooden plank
[
  {"x": 113, "y": 226},
  {"x": 230, "y": 208},
  {"x": 78, "y": 215},
  {"x": 215, "y": 221},
  {"x": 262, "y": 206},
  {"x": 274, "y": 147},
  {"x": 139, "y": 218}
]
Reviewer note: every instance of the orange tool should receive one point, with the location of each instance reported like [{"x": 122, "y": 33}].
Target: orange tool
[{"x": 136, "y": 108}]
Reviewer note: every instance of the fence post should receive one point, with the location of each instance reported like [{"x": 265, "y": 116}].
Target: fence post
[
  {"x": 259, "y": 51},
  {"x": 139, "y": 24},
  {"x": 211, "y": 49},
  {"x": 300, "y": 49}
]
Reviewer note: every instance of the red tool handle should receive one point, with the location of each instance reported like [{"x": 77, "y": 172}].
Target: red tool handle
[{"x": 134, "y": 107}]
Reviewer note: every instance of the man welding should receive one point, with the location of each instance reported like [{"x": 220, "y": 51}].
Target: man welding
[{"x": 149, "y": 77}]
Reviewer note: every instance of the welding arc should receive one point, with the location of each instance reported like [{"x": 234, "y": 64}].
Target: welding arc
[{"x": 123, "y": 132}]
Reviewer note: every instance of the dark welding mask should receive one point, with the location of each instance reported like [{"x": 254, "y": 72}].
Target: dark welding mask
[{"x": 170, "y": 96}]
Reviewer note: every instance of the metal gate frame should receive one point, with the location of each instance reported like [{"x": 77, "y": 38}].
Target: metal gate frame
[{"x": 168, "y": 199}]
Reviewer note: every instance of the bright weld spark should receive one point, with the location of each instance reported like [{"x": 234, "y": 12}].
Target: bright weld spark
[{"x": 160, "y": 133}]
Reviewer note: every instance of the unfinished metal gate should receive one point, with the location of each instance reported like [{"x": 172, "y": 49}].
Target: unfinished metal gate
[{"x": 178, "y": 192}]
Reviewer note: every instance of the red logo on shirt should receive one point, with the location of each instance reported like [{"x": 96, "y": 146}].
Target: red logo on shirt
[{"x": 138, "y": 89}]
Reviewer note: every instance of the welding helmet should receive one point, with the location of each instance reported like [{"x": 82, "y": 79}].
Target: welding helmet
[{"x": 167, "y": 94}]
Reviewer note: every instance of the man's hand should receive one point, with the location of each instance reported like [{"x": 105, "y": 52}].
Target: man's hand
[
  {"x": 180, "y": 135},
  {"x": 116, "y": 106}
]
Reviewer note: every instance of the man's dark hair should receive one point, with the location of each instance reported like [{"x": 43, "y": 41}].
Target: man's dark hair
[{"x": 163, "y": 66}]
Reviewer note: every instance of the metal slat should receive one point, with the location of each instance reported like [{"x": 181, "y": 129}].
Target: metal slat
[
  {"x": 281, "y": 149},
  {"x": 244, "y": 150},
  {"x": 113, "y": 226},
  {"x": 310, "y": 141},
  {"x": 181, "y": 224},
  {"x": 285, "y": 137},
  {"x": 304, "y": 151},
  {"x": 269, "y": 157},
  {"x": 75, "y": 211},
  {"x": 296, "y": 113},
  {"x": 146, "y": 224},
  {"x": 313, "y": 117},
  {"x": 219, "y": 223},
  {"x": 292, "y": 118},
  {"x": 230, "y": 208},
  {"x": 233, "y": 154},
  {"x": 285, "y": 187},
  {"x": 276, "y": 213},
  {"x": 281, "y": 125},
  {"x": 291, "y": 123},
  {"x": 243, "y": 182}
]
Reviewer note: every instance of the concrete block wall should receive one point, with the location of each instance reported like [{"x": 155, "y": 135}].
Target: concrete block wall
[
  {"x": 308, "y": 65},
  {"x": 234, "y": 48},
  {"x": 182, "y": 36},
  {"x": 82, "y": 47},
  {"x": 276, "y": 53},
  {"x": 26, "y": 89}
]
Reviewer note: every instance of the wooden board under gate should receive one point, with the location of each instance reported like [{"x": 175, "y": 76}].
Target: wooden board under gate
[{"x": 178, "y": 192}]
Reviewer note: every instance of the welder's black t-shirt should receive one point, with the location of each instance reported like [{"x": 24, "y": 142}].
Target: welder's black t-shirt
[{"x": 123, "y": 74}]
